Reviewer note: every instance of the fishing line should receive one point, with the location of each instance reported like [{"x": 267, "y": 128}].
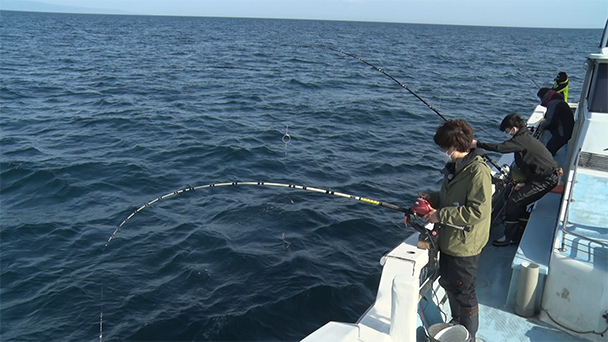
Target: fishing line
[
  {"x": 516, "y": 67},
  {"x": 101, "y": 318},
  {"x": 523, "y": 73},
  {"x": 286, "y": 243},
  {"x": 283, "y": 185},
  {"x": 404, "y": 86}
]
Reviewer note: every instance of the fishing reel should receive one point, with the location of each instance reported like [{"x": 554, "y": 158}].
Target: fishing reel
[
  {"x": 421, "y": 207},
  {"x": 429, "y": 233},
  {"x": 414, "y": 215},
  {"x": 502, "y": 176}
]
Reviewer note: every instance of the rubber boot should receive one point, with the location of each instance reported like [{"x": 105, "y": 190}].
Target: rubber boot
[
  {"x": 512, "y": 230},
  {"x": 454, "y": 307},
  {"x": 469, "y": 317}
]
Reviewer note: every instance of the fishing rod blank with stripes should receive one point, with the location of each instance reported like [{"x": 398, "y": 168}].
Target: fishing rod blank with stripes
[{"x": 283, "y": 185}]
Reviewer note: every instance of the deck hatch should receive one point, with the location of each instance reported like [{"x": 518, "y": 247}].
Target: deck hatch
[{"x": 593, "y": 161}]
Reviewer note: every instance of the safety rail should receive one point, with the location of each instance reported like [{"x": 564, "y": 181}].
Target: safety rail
[
  {"x": 582, "y": 160},
  {"x": 581, "y": 240}
]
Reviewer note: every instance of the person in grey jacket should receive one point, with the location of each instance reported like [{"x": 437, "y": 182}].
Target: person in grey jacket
[
  {"x": 559, "y": 119},
  {"x": 537, "y": 165}
]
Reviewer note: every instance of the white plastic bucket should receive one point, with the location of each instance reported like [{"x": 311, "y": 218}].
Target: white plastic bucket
[{"x": 444, "y": 332}]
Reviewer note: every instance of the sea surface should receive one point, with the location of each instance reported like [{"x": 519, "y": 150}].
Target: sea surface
[{"x": 102, "y": 114}]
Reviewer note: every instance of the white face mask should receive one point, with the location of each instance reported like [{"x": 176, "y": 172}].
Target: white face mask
[
  {"x": 510, "y": 133},
  {"x": 447, "y": 157}
]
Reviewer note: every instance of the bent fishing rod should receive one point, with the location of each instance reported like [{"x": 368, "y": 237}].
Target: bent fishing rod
[
  {"x": 260, "y": 183},
  {"x": 420, "y": 208},
  {"x": 408, "y": 211},
  {"x": 404, "y": 86}
]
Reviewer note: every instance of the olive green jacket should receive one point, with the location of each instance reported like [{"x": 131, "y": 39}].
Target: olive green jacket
[{"x": 465, "y": 200}]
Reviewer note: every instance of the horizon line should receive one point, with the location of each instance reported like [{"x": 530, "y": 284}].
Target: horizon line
[{"x": 116, "y": 12}]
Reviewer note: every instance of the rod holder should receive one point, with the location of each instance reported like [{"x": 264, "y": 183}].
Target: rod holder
[{"x": 525, "y": 304}]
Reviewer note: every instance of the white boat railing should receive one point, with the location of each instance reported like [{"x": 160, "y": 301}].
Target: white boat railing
[{"x": 571, "y": 239}]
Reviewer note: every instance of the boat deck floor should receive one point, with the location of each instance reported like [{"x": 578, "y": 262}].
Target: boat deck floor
[{"x": 497, "y": 321}]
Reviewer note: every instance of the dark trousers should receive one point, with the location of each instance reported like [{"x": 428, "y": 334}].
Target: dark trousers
[
  {"x": 556, "y": 142},
  {"x": 459, "y": 278},
  {"x": 518, "y": 201}
]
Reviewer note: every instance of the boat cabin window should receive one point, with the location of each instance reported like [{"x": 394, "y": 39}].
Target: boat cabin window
[{"x": 598, "y": 97}]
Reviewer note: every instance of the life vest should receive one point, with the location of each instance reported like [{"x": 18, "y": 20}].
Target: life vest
[{"x": 562, "y": 88}]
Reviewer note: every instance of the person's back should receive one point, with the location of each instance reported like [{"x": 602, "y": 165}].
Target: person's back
[
  {"x": 565, "y": 117},
  {"x": 534, "y": 159},
  {"x": 559, "y": 119}
]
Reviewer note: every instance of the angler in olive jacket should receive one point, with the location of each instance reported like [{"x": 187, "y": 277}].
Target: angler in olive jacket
[{"x": 465, "y": 199}]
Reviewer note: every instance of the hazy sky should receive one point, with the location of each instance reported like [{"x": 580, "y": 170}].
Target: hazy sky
[{"x": 520, "y": 13}]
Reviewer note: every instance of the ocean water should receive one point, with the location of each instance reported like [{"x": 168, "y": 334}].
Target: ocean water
[{"x": 102, "y": 114}]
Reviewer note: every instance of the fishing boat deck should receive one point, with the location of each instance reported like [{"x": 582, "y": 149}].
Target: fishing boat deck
[
  {"x": 497, "y": 283},
  {"x": 499, "y": 270},
  {"x": 498, "y": 321}
]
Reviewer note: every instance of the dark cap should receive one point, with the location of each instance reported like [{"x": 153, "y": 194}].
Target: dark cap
[{"x": 561, "y": 77}]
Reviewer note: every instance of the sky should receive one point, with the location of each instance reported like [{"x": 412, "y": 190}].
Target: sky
[{"x": 512, "y": 13}]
